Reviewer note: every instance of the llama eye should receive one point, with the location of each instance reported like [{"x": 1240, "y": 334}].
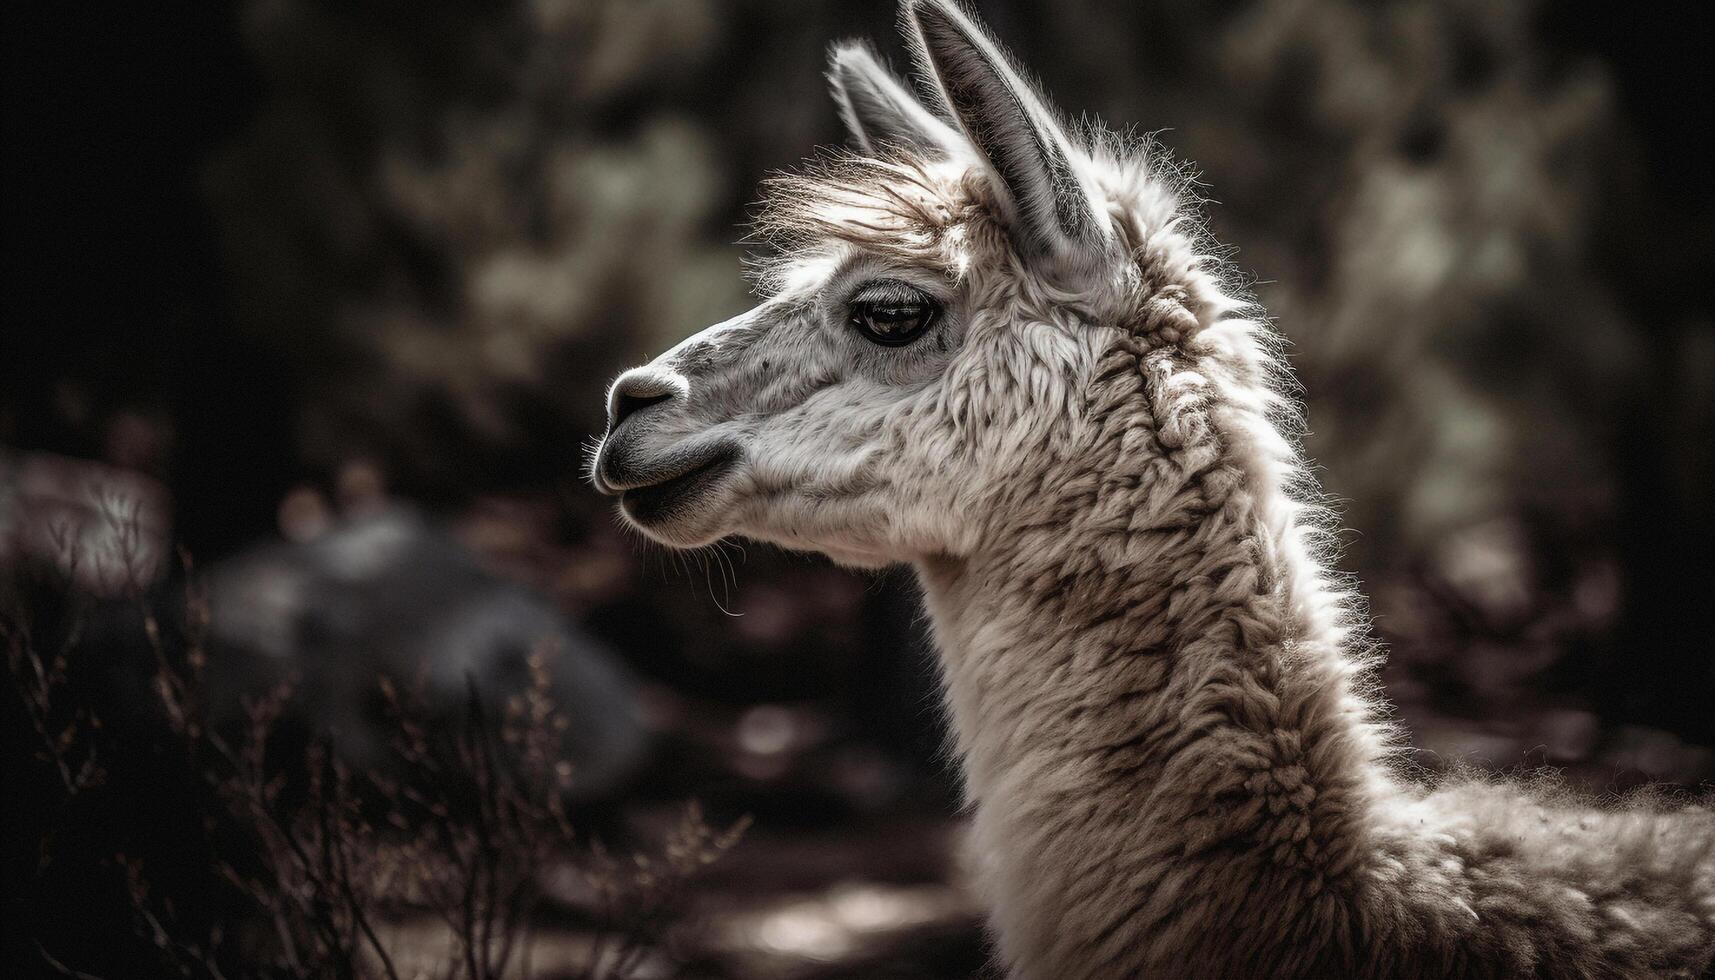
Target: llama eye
[{"x": 892, "y": 314}]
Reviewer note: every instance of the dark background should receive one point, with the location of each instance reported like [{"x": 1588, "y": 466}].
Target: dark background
[{"x": 290, "y": 262}]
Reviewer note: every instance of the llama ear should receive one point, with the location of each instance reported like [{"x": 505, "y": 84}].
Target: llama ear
[
  {"x": 877, "y": 108},
  {"x": 1056, "y": 214}
]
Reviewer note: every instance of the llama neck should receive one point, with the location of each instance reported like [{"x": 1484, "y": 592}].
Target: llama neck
[{"x": 1151, "y": 695}]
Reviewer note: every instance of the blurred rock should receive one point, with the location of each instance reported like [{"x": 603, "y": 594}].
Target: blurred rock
[{"x": 390, "y": 595}]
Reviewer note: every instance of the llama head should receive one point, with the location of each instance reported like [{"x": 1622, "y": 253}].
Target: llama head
[{"x": 916, "y": 377}]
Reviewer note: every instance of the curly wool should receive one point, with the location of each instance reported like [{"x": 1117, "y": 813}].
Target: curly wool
[
  {"x": 1173, "y": 746},
  {"x": 1176, "y": 756}
]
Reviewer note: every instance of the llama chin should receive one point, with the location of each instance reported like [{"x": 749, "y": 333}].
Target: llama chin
[{"x": 1001, "y": 352}]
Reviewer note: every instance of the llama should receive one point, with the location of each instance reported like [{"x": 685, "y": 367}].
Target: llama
[{"x": 997, "y": 349}]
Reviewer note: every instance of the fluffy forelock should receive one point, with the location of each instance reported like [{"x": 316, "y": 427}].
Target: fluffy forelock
[{"x": 903, "y": 205}]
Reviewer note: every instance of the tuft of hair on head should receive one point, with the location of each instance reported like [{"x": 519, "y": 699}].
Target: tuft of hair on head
[{"x": 891, "y": 207}]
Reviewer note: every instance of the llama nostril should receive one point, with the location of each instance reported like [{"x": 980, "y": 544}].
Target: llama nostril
[{"x": 626, "y": 405}]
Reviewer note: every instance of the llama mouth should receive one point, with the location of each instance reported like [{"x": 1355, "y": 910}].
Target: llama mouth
[{"x": 660, "y": 501}]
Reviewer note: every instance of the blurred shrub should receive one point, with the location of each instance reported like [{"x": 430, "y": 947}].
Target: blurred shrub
[{"x": 253, "y": 848}]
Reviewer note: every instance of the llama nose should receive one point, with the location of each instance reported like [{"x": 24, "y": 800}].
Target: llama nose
[{"x": 636, "y": 391}]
